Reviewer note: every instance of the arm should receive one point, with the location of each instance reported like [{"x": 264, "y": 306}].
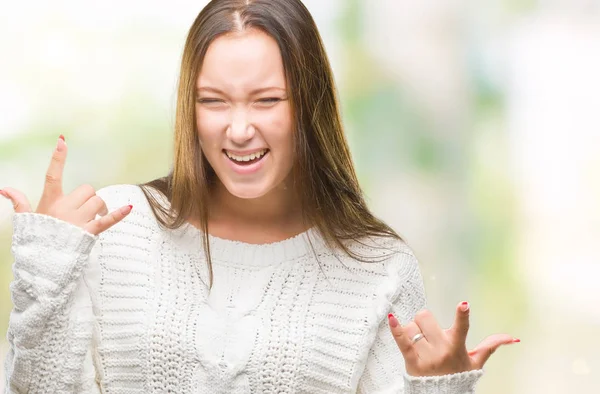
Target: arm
[
  {"x": 385, "y": 369},
  {"x": 50, "y": 326}
]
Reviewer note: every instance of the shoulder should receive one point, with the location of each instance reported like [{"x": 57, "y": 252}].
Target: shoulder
[
  {"x": 390, "y": 269},
  {"x": 388, "y": 259},
  {"x": 394, "y": 253},
  {"x": 398, "y": 263},
  {"x": 141, "y": 219},
  {"x": 403, "y": 262},
  {"x": 116, "y": 196}
]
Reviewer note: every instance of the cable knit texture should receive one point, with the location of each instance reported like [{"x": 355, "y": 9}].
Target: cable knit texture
[{"x": 129, "y": 311}]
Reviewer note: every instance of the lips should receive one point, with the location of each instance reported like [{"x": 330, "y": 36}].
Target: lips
[{"x": 250, "y": 163}]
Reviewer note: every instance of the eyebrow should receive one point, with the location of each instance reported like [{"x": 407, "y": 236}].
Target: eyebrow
[{"x": 255, "y": 91}]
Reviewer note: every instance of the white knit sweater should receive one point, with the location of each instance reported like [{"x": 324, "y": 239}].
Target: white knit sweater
[{"x": 129, "y": 311}]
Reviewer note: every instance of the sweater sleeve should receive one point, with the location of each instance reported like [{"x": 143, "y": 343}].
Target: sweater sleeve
[
  {"x": 385, "y": 370},
  {"x": 51, "y": 323}
]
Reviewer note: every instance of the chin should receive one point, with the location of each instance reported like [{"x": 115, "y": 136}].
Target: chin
[{"x": 248, "y": 190}]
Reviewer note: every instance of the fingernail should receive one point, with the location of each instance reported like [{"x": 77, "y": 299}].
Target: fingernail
[
  {"x": 516, "y": 340},
  {"x": 464, "y": 306},
  {"x": 60, "y": 145},
  {"x": 127, "y": 209},
  {"x": 62, "y": 137},
  {"x": 393, "y": 321},
  {"x": 3, "y": 194}
]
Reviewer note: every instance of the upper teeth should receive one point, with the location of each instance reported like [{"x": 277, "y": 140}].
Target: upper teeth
[{"x": 249, "y": 157}]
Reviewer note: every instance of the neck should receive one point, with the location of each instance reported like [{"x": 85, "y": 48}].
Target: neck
[{"x": 269, "y": 218}]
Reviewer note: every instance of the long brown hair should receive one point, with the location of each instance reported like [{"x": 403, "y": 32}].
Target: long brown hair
[{"x": 324, "y": 174}]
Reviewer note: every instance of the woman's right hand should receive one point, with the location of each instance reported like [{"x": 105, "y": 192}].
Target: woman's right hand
[{"x": 79, "y": 208}]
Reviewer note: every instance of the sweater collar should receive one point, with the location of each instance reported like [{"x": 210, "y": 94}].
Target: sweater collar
[{"x": 242, "y": 253}]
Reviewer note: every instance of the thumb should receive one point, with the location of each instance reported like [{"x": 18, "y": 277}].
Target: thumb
[
  {"x": 18, "y": 199},
  {"x": 488, "y": 346}
]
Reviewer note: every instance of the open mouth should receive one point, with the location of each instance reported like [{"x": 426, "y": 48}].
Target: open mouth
[{"x": 247, "y": 159}]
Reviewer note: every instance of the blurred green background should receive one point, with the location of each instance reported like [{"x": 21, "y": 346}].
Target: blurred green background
[{"x": 474, "y": 127}]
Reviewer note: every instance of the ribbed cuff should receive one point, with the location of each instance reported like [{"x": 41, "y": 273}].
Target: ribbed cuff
[
  {"x": 48, "y": 248},
  {"x": 457, "y": 383}
]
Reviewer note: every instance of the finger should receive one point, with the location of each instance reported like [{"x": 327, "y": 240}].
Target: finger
[
  {"x": 54, "y": 175},
  {"x": 18, "y": 199},
  {"x": 460, "y": 328},
  {"x": 488, "y": 346},
  {"x": 403, "y": 339},
  {"x": 421, "y": 346},
  {"x": 92, "y": 207},
  {"x": 429, "y": 326},
  {"x": 103, "y": 210},
  {"x": 78, "y": 197},
  {"x": 105, "y": 222}
]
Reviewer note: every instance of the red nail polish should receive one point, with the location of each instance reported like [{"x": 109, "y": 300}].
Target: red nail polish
[
  {"x": 62, "y": 137},
  {"x": 464, "y": 306},
  {"x": 516, "y": 340}
]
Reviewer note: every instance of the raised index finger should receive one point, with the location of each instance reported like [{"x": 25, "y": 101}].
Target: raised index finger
[{"x": 54, "y": 175}]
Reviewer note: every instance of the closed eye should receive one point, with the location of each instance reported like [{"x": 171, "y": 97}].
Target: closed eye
[
  {"x": 209, "y": 101},
  {"x": 270, "y": 100}
]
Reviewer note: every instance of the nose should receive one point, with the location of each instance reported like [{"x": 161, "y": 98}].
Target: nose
[{"x": 240, "y": 129}]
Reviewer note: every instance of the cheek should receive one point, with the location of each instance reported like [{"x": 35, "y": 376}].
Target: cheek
[
  {"x": 284, "y": 116},
  {"x": 276, "y": 128},
  {"x": 208, "y": 127}
]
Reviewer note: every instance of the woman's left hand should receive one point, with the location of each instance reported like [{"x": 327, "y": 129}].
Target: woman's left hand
[{"x": 439, "y": 351}]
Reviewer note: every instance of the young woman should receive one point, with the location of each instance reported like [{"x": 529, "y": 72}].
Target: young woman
[{"x": 254, "y": 266}]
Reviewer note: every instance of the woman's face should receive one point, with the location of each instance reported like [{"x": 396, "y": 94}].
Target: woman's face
[{"x": 244, "y": 117}]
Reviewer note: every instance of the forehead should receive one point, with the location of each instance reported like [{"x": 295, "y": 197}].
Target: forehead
[{"x": 241, "y": 62}]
